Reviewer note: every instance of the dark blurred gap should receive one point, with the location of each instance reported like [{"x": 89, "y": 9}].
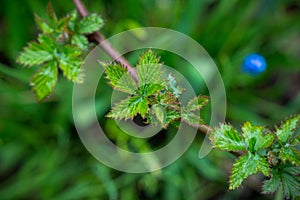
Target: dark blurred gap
[
  {"x": 5, "y": 60},
  {"x": 140, "y": 121},
  {"x": 7, "y": 175},
  {"x": 159, "y": 139},
  {"x": 293, "y": 7}
]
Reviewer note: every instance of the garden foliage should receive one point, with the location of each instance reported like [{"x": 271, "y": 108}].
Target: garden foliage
[
  {"x": 155, "y": 97},
  {"x": 60, "y": 46}
]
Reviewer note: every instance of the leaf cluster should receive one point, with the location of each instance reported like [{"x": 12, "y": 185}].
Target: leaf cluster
[
  {"x": 154, "y": 97},
  {"x": 273, "y": 153},
  {"x": 60, "y": 46}
]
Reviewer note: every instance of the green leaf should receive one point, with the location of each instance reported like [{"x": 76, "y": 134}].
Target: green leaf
[
  {"x": 70, "y": 63},
  {"x": 286, "y": 178},
  {"x": 62, "y": 23},
  {"x": 52, "y": 25},
  {"x": 287, "y": 128},
  {"x": 191, "y": 113},
  {"x": 273, "y": 184},
  {"x": 150, "y": 89},
  {"x": 51, "y": 13},
  {"x": 81, "y": 41},
  {"x": 245, "y": 166},
  {"x": 38, "y": 52},
  {"x": 159, "y": 113},
  {"x": 197, "y": 103},
  {"x": 71, "y": 51},
  {"x": 148, "y": 69},
  {"x": 293, "y": 170},
  {"x": 173, "y": 87},
  {"x": 72, "y": 70},
  {"x": 120, "y": 79},
  {"x": 290, "y": 184},
  {"x": 149, "y": 73},
  {"x": 129, "y": 107},
  {"x": 296, "y": 140},
  {"x": 73, "y": 16},
  {"x": 227, "y": 138},
  {"x": 191, "y": 118},
  {"x": 141, "y": 105},
  {"x": 168, "y": 99},
  {"x": 171, "y": 116},
  {"x": 265, "y": 141},
  {"x": 48, "y": 43},
  {"x": 44, "y": 81},
  {"x": 114, "y": 72},
  {"x": 255, "y": 138},
  {"x": 148, "y": 57},
  {"x": 291, "y": 154},
  {"x": 89, "y": 24},
  {"x": 43, "y": 25},
  {"x": 34, "y": 54}
]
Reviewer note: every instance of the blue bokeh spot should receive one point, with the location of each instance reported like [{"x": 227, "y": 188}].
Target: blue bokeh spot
[{"x": 254, "y": 64}]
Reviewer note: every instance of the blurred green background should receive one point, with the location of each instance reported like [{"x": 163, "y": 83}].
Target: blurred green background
[{"x": 41, "y": 155}]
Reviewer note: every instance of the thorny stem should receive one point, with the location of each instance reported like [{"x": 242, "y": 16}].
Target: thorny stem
[
  {"x": 205, "y": 129},
  {"x": 107, "y": 47}
]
